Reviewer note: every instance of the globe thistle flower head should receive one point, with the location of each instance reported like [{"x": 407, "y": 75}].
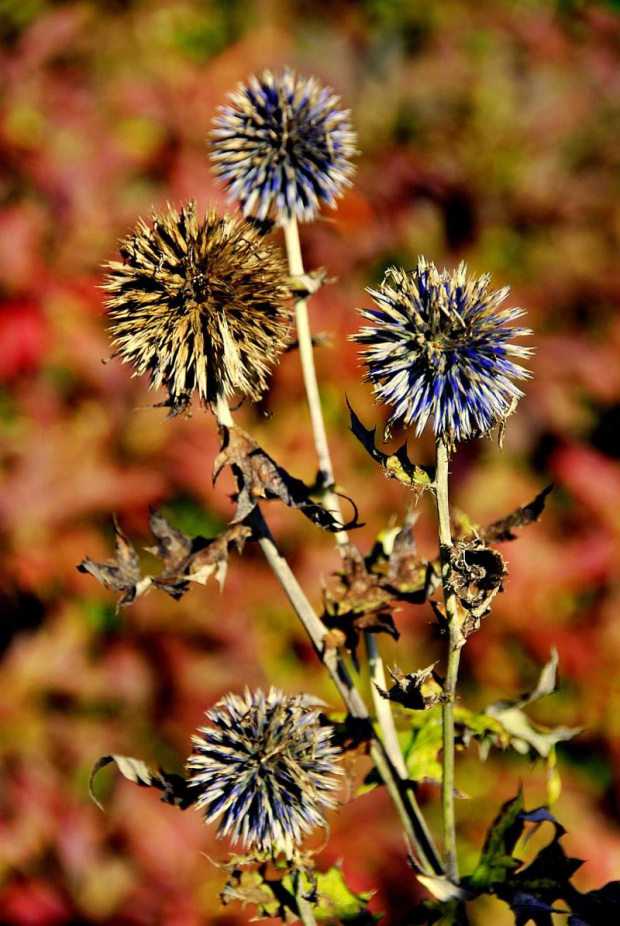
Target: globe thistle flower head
[
  {"x": 199, "y": 304},
  {"x": 265, "y": 767},
  {"x": 439, "y": 348},
  {"x": 283, "y": 145}
]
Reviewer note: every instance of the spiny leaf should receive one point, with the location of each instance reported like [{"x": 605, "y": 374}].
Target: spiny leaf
[
  {"x": 275, "y": 896},
  {"x": 189, "y": 559},
  {"x": 260, "y": 477},
  {"x": 396, "y": 465},
  {"x": 185, "y": 559},
  {"x": 359, "y": 604},
  {"x": 496, "y": 861},
  {"x": 477, "y": 573},
  {"x": 596, "y": 908},
  {"x": 334, "y": 898},
  {"x": 504, "y": 528},
  {"x": 175, "y": 787},
  {"x": 122, "y": 574},
  {"x": 417, "y": 691}
]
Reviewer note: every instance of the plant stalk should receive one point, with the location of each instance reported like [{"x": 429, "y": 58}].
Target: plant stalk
[
  {"x": 455, "y": 643},
  {"x": 382, "y": 708},
  {"x": 304, "y": 907},
  {"x": 404, "y": 799}
]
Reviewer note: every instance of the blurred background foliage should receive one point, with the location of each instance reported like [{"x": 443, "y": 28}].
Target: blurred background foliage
[{"x": 488, "y": 131}]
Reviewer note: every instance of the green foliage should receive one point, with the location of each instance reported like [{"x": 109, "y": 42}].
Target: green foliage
[{"x": 277, "y": 891}]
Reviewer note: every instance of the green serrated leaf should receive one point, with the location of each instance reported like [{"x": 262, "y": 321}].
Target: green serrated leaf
[
  {"x": 421, "y": 753},
  {"x": 496, "y": 861},
  {"x": 335, "y": 898}
]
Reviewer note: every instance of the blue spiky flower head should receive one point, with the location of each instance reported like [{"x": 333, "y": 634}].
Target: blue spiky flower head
[
  {"x": 439, "y": 349},
  {"x": 265, "y": 766},
  {"x": 283, "y": 146}
]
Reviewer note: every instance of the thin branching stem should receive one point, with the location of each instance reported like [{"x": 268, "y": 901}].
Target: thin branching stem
[
  {"x": 304, "y": 907},
  {"x": 306, "y": 354},
  {"x": 455, "y": 643},
  {"x": 404, "y": 799},
  {"x": 382, "y": 707},
  {"x": 414, "y": 824}
]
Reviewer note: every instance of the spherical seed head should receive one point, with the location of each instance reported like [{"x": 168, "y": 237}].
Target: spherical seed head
[
  {"x": 439, "y": 348},
  {"x": 198, "y": 303},
  {"x": 283, "y": 145},
  {"x": 266, "y": 767}
]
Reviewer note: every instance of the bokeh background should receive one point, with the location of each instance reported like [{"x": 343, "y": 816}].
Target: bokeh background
[{"x": 488, "y": 131}]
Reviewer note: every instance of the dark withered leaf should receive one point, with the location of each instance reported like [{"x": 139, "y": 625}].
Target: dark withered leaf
[
  {"x": 122, "y": 574},
  {"x": 396, "y": 465},
  {"x": 596, "y": 908},
  {"x": 528, "y": 908},
  {"x": 401, "y": 570},
  {"x": 259, "y": 477},
  {"x": 411, "y": 577},
  {"x": 503, "y": 529},
  {"x": 212, "y": 560},
  {"x": 358, "y": 604},
  {"x": 173, "y": 546},
  {"x": 175, "y": 788},
  {"x": 192, "y": 559},
  {"x": 416, "y": 691},
  {"x": 531, "y": 891},
  {"x": 477, "y": 573}
]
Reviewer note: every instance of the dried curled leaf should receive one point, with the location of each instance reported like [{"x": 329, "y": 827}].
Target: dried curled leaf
[
  {"x": 401, "y": 570},
  {"x": 175, "y": 788},
  {"x": 477, "y": 573},
  {"x": 396, "y": 465},
  {"x": 359, "y": 604},
  {"x": 416, "y": 691},
  {"x": 122, "y": 574},
  {"x": 189, "y": 559},
  {"x": 503, "y": 529},
  {"x": 185, "y": 559},
  {"x": 259, "y": 477}
]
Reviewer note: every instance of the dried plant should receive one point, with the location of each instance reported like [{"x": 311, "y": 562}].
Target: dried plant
[{"x": 199, "y": 304}]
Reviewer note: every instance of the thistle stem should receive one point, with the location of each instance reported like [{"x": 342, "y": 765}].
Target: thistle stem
[
  {"x": 455, "y": 642},
  {"x": 304, "y": 908},
  {"x": 306, "y": 353},
  {"x": 404, "y": 799},
  {"x": 382, "y": 708}
]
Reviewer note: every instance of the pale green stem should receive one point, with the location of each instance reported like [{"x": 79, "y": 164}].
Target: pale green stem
[
  {"x": 304, "y": 908},
  {"x": 306, "y": 354},
  {"x": 455, "y": 643},
  {"x": 383, "y": 711}
]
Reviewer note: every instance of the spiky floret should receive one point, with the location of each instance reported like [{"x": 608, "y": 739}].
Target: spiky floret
[
  {"x": 283, "y": 145},
  {"x": 439, "y": 348},
  {"x": 267, "y": 767},
  {"x": 198, "y": 303}
]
